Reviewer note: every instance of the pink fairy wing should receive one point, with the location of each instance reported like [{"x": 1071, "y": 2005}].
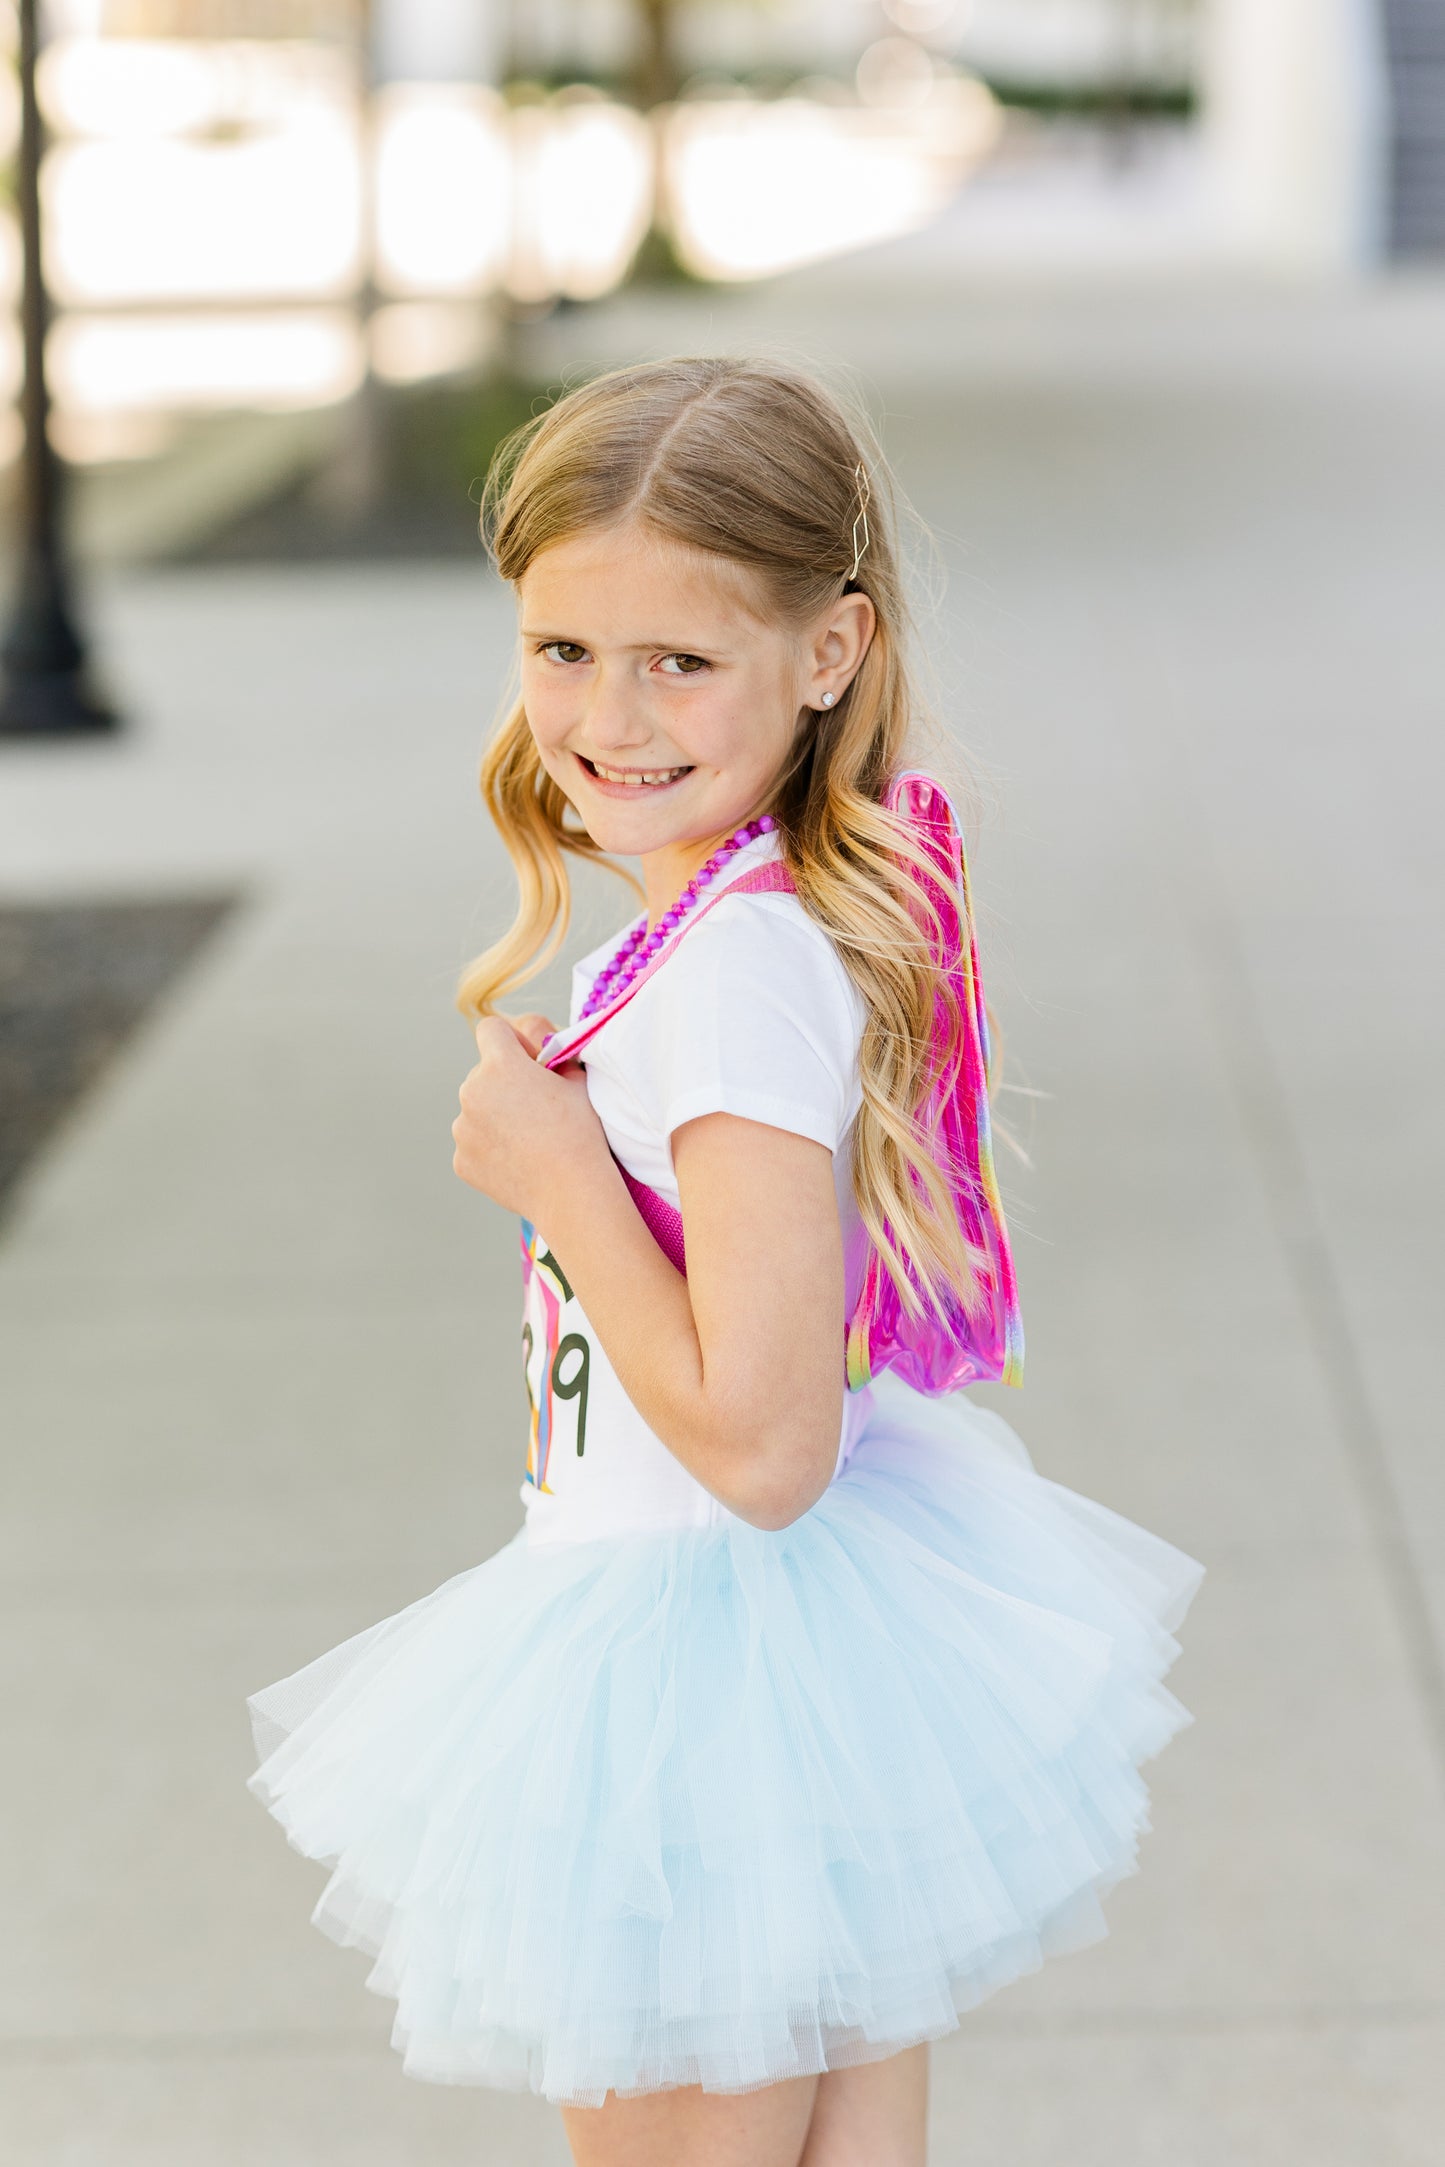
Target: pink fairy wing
[
  {"x": 936, "y": 1352},
  {"x": 940, "y": 1351}
]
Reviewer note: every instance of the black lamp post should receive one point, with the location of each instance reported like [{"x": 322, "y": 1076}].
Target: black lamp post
[{"x": 44, "y": 691}]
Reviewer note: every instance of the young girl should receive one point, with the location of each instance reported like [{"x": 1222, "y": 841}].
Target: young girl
[{"x": 801, "y": 1714}]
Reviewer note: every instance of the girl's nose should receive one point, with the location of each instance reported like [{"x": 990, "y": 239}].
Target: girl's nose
[{"x": 614, "y": 721}]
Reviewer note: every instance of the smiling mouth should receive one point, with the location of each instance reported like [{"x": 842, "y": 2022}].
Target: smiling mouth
[{"x": 634, "y": 778}]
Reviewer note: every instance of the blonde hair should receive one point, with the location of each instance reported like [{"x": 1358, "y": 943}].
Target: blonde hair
[{"x": 762, "y": 466}]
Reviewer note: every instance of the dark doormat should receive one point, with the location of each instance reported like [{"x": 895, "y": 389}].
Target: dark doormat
[{"x": 75, "y": 980}]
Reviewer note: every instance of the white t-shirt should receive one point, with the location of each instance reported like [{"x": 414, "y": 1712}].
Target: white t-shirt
[{"x": 753, "y": 1014}]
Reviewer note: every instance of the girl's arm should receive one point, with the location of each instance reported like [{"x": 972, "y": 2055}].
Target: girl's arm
[{"x": 739, "y": 1367}]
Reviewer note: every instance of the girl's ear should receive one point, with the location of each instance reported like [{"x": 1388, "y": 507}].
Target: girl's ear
[{"x": 840, "y": 640}]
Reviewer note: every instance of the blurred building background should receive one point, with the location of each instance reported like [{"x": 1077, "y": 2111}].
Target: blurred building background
[
  {"x": 1148, "y": 299},
  {"x": 255, "y": 206}
]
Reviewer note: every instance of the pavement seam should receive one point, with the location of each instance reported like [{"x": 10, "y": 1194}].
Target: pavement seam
[{"x": 1294, "y": 1208}]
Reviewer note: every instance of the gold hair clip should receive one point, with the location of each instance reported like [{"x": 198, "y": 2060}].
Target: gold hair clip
[{"x": 865, "y": 498}]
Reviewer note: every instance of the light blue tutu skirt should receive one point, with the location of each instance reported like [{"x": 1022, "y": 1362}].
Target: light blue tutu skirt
[{"x": 725, "y": 1806}]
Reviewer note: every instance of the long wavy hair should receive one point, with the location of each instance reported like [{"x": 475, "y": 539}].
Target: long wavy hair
[{"x": 763, "y": 466}]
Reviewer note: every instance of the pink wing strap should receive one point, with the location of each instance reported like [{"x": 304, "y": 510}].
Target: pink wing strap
[
  {"x": 660, "y": 1216},
  {"x": 934, "y": 1351}
]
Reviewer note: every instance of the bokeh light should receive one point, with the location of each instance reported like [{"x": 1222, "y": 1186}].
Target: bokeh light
[{"x": 758, "y": 188}]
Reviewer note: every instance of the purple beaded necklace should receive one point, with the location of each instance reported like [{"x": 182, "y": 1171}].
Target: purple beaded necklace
[{"x": 640, "y": 946}]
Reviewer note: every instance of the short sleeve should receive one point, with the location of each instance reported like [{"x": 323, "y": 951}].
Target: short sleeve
[{"x": 753, "y": 1015}]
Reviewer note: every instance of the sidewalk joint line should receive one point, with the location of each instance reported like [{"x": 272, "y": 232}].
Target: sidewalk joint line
[{"x": 1284, "y": 1177}]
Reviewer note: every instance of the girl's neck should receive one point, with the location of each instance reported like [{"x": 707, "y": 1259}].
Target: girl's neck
[{"x": 666, "y": 872}]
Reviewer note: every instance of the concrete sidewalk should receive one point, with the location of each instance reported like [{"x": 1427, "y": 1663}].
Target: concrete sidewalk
[{"x": 257, "y": 1347}]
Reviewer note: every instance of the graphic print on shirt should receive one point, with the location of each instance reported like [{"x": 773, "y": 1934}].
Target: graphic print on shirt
[{"x": 556, "y": 1363}]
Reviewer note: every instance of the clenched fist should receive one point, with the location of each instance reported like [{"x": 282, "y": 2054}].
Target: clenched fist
[{"x": 522, "y": 1127}]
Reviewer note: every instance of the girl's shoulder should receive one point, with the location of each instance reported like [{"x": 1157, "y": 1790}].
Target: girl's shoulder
[
  {"x": 753, "y": 1012},
  {"x": 766, "y": 935},
  {"x": 757, "y": 952},
  {"x": 751, "y": 943}
]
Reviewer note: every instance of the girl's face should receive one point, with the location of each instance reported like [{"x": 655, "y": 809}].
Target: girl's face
[{"x": 661, "y": 705}]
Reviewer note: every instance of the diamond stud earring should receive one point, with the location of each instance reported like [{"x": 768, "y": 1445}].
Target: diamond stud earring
[{"x": 829, "y": 698}]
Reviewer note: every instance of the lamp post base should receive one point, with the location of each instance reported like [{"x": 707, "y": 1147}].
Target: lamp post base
[
  {"x": 45, "y": 687},
  {"x": 52, "y": 703}
]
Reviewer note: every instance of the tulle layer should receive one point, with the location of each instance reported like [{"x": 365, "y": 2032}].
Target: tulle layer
[{"x": 726, "y": 1806}]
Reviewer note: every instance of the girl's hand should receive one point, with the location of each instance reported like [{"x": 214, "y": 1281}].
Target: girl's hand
[
  {"x": 531, "y": 1029},
  {"x": 522, "y": 1127}
]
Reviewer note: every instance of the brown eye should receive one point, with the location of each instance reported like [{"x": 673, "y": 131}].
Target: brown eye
[
  {"x": 686, "y": 665},
  {"x": 565, "y": 651}
]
